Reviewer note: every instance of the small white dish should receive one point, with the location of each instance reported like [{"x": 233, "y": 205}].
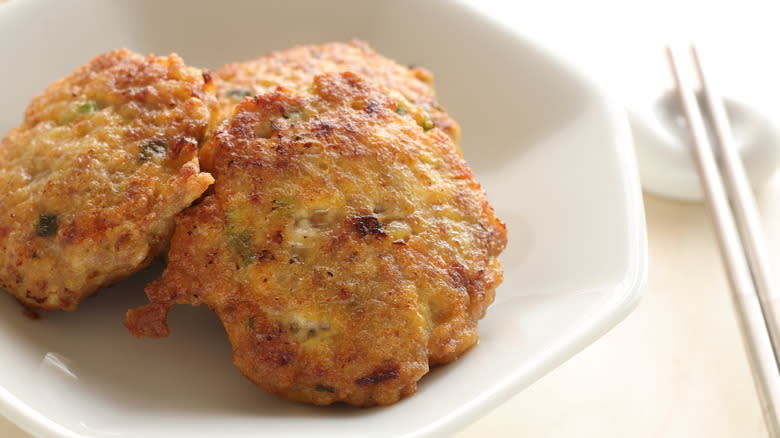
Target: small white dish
[
  {"x": 663, "y": 147},
  {"x": 553, "y": 152}
]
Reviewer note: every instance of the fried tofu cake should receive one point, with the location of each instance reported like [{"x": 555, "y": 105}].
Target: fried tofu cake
[
  {"x": 345, "y": 248},
  {"x": 93, "y": 176},
  {"x": 296, "y": 67}
]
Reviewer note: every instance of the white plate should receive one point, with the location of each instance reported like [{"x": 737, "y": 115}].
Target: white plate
[{"x": 552, "y": 151}]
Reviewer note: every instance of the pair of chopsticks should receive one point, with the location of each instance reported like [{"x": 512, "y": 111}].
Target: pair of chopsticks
[{"x": 738, "y": 227}]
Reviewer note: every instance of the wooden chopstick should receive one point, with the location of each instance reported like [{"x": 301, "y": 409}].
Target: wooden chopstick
[{"x": 749, "y": 281}]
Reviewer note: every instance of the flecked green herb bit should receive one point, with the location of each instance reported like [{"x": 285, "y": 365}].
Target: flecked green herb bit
[
  {"x": 151, "y": 149},
  {"x": 427, "y": 125},
  {"x": 76, "y": 110},
  {"x": 283, "y": 202},
  {"x": 47, "y": 225},
  {"x": 87, "y": 107},
  {"x": 294, "y": 115},
  {"x": 324, "y": 388},
  {"x": 400, "y": 110},
  {"x": 241, "y": 242},
  {"x": 238, "y": 93}
]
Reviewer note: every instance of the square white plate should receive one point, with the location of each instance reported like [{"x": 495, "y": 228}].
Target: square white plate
[{"x": 552, "y": 151}]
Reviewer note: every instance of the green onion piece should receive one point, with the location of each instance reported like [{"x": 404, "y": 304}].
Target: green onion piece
[
  {"x": 87, "y": 107},
  {"x": 152, "y": 148},
  {"x": 238, "y": 93},
  {"x": 241, "y": 242},
  {"x": 427, "y": 125},
  {"x": 323, "y": 388},
  {"x": 47, "y": 225},
  {"x": 294, "y": 115},
  {"x": 76, "y": 110},
  {"x": 400, "y": 110},
  {"x": 283, "y": 202}
]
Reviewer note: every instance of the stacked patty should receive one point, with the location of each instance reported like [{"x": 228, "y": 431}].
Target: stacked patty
[
  {"x": 345, "y": 245},
  {"x": 95, "y": 173},
  {"x": 295, "y": 69},
  {"x": 345, "y": 248}
]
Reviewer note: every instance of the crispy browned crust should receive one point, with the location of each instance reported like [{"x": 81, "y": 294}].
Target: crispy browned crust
[
  {"x": 296, "y": 67},
  {"x": 345, "y": 248},
  {"x": 111, "y": 151}
]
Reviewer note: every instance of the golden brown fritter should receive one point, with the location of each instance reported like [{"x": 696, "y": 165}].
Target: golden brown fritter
[
  {"x": 296, "y": 67},
  {"x": 345, "y": 248},
  {"x": 93, "y": 176}
]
